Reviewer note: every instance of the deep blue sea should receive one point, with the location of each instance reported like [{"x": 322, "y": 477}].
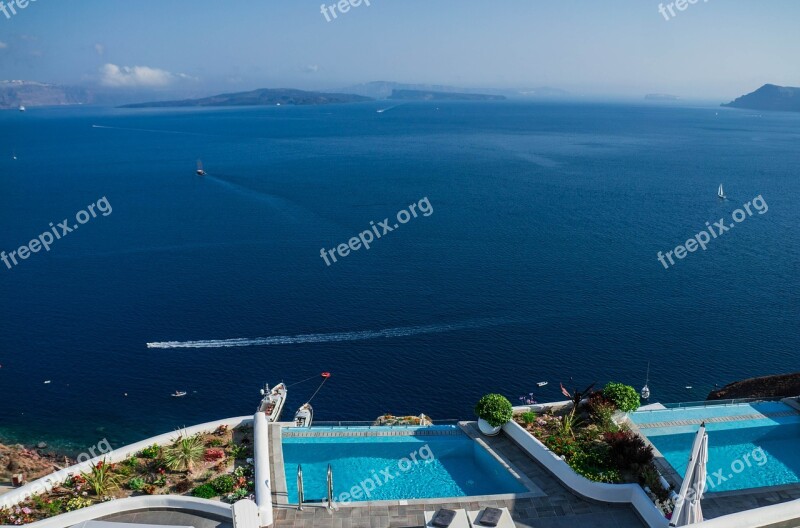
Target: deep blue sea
[{"x": 538, "y": 262}]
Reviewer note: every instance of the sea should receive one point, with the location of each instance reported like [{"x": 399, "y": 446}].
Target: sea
[{"x": 536, "y": 259}]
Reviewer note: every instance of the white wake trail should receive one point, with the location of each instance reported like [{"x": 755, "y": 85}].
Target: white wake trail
[{"x": 332, "y": 337}]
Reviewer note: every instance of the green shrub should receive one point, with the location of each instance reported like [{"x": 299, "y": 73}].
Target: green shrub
[
  {"x": 238, "y": 451},
  {"x": 528, "y": 417},
  {"x": 150, "y": 452},
  {"x": 206, "y": 491},
  {"x": 136, "y": 484},
  {"x": 628, "y": 450},
  {"x": 495, "y": 409},
  {"x": 223, "y": 484},
  {"x": 624, "y": 397}
]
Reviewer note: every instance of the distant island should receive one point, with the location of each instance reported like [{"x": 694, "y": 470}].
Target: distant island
[
  {"x": 770, "y": 97},
  {"x": 262, "y": 97},
  {"x": 424, "y": 95},
  {"x": 661, "y": 97},
  {"x": 779, "y": 386},
  {"x": 31, "y": 93}
]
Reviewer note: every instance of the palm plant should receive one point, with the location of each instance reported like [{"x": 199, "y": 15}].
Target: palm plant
[
  {"x": 101, "y": 478},
  {"x": 184, "y": 453}
]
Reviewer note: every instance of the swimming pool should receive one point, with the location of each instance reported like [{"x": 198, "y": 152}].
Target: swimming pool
[
  {"x": 440, "y": 463},
  {"x": 750, "y": 445}
]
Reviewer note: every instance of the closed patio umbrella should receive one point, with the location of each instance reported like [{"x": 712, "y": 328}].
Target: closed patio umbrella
[{"x": 687, "y": 508}]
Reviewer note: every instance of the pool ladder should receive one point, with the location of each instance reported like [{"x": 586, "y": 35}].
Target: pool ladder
[{"x": 301, "y": 493}]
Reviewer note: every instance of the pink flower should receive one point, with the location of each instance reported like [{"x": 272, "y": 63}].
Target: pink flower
[{"x": 26, "y": 511}]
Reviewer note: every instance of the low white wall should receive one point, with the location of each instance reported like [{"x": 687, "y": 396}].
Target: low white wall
[
  {"x": 599, "y": 491},
  {"x": 262, "y": 478},
  {"x": 134, "y": 504},
  {"x": 766, "y": 516},
  {"x": 47, "y": 483}
]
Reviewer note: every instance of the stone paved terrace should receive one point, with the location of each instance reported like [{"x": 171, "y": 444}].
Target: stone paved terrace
[
  {"x": 554, "y": 507},
  {"x": 168, "y": 518}
]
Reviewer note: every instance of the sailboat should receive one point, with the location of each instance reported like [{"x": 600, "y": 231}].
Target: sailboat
[
  {"x": 721, "y": 193},
  {"x": 646, "y": 388},
  {"x": 200, "y": 171}
]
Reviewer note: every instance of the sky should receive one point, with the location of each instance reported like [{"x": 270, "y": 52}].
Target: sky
[{"x": 713, "y": 49}]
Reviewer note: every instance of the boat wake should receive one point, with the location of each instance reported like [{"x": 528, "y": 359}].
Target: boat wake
[{"x": 333, "y": 337}]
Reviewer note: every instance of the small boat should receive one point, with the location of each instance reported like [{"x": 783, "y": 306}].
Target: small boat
[
  {"x": 47, "y": 382},
  {"x": 646, "y": 388},
  {"x": 200, "y": 171},
  {"x": 272, "y": 401},
  {"x": 177, "y": 394},
  {"x": 541, "y": 384},
  {"x": 21, "y": 108},
  {"x": 304, "y": 416},
  {"x": 689, "y": 387},
  {"x": 721, "y": 193}
]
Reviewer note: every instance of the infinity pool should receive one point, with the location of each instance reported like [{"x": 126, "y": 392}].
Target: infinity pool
[
  {"x": 370, "y": 468},
  {"x": 750, "y": 445}
]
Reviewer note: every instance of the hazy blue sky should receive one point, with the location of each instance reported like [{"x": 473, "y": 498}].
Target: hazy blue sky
[{"x": 715, "y": 49}]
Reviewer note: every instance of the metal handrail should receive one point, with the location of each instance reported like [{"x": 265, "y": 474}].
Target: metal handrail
[
  {"x": 300, "y": 494},
  {"x": 330, "y": 488}
]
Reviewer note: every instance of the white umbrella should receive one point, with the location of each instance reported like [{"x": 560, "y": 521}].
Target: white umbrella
[{"x": 687, "y": 506}]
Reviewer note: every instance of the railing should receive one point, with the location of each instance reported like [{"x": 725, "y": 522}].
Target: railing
[
  {"x": 711, "y": 403},
  {"x": 330, "y": 488},
  {"x": 300, "y": 494},
  {"x": 371, "y": 424}
]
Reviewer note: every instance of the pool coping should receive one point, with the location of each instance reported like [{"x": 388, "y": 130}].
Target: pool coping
[{"x": 281, "y": 496}]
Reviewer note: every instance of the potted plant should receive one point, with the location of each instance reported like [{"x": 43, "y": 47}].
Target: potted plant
[{"x": 493, "y": 411}]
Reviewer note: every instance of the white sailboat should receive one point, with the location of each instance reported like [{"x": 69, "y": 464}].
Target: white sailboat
[
  {"x": 646, "y": 388},
  {"x": 200, "y": 170},
  {"x": 304, "y": 416},
  {"x": 721, "y": 193},
  {"x": 272, "y": 401}
]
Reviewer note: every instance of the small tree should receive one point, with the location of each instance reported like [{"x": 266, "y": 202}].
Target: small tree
[
  {"x": 184, "y": 453},
  {"x": 495, "y": 409},
  {"x": 624, "y": 396}
]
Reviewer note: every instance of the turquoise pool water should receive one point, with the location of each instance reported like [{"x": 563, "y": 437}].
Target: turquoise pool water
[
  {"x": 757, "y": 451},
  {"x": 370, "y": 468}
]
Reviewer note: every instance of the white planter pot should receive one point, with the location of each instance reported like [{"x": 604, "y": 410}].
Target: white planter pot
[{"x": 487, "y": 429}]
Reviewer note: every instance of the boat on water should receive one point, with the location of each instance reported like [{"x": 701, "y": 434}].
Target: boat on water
[
  {"x": 273, "y": 401},
  {"x": 542, "y": 383},
  {"x": 304, "y": 416},
  {"x": 179, "y": 394},
  {"x": 200, "y": 171},
  {"x": 21, "y": 108},
  {"x": 646, "y": 389},
  {"x": 721, "y": 193}
]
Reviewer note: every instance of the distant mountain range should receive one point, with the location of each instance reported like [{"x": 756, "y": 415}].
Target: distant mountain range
[
  {"x": 30, "y": 93},
  {"x": 262, "y": 97},
  {"x": 770, "y": 97},
  {"x": 385, "y": 89},
  {"x": 422, "y": 95}
]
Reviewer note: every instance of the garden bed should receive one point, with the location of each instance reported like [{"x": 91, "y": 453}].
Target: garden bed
[
  {"x": 213, "y": 465},
  {"x": 587, "y": 437}
]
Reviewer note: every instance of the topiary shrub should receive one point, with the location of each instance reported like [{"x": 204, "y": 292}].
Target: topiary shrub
[
  {"x": 495, "y": 409},
  {"x": 624, "y": 396},
  {"x": 223, "y": 484},
  {"x": 204, "y": 492}
]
